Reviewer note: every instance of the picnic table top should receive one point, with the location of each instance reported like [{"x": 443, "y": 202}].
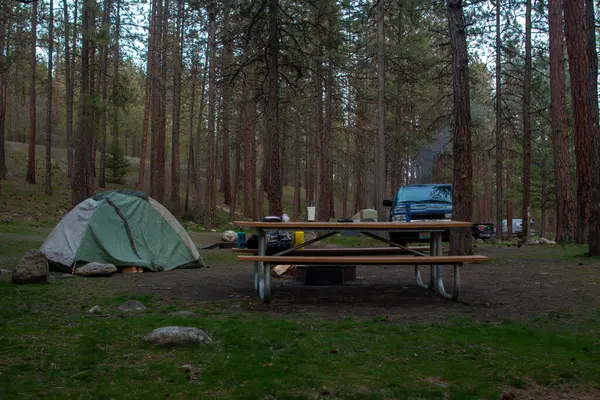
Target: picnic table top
[{"x": 354, "y": 226}]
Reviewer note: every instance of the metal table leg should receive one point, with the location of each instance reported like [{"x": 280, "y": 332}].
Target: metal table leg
[
  {"x": 434, "y": 250},
  {"x": 264, "y": 271},
  {"x": 440, "y": 273}
]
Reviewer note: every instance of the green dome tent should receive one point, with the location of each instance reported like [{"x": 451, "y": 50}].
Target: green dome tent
[{"x": 125, "y": 228}]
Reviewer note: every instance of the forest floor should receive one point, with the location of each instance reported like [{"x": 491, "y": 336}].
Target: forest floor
[{"x": 525, "y": 328}]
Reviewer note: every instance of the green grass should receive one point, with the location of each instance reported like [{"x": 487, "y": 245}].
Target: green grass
[{"x": 49, "y": 349}]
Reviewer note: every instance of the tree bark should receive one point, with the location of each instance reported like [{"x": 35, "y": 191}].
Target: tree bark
[
  {"x": 526, "y": 203},
  {"x": 3, "y": 80},
  {"x": 227, "y": 60},
  {"x": 462, "y": 197},
  {"x": 380, "y": 156},
  {"x": 576, "y": 36},
  {"x": 69, "y": 78},
  {"x": 272, "y": 154},
  {"x": 199, "y": 130},
  {"x": 147, "y": 96},
  {"x": 594, "y": 227},
  {"x": 175, "y": 156},
  {"x": 210, "y": 210},
  {"x": 104, "y": 91},
  {"x": 191, "y": 163},
  {"x": 82, "y": 186},
  {"x": 509, "y": 210},
  {"x": 249, "y": 155},
  {"x": 32, "y": 100},
  {"x": 499, "y": 133},
  {"x": 565, "y": 212},
  {"x": 48, "y": 182},
  {"x": 115, "y": 89}
]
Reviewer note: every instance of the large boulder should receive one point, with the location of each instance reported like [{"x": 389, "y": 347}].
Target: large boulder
[
  {"x": 131, "y": 307},
  {"x": 178, "y": 336},
  {"x": 96, "y": 269},
  {"x": 229, "y": 236},
  {"x": 32, "y": 268}
]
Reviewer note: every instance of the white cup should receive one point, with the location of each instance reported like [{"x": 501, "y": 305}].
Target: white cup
[{"x": 311, "y": 211}]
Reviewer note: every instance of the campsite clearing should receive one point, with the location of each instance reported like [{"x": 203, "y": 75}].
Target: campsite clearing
[{"x": 526, "y": 326}]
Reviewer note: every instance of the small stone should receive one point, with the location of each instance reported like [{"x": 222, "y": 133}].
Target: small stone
[
  {"x": 177, "y": 335},
  {"x": 131, "y": 307},
  {"x": 5, "y": 272},
  {"x": 96, "y": 269},
  {"x": 183, "y": 314},
  {"x": 96, "y": 310},
  {"x": 480, "y": 240},
  {"x": 67, "y": 276},
  {"x": 546, "y": 241},
  {"x": 32, "y": 268},
  {"x": 187, "y": 368}
]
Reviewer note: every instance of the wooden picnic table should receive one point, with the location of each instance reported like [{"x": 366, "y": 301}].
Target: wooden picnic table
[{"x": 435, "y": 260}]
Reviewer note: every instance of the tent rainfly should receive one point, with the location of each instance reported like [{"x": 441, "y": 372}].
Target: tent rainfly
[{"x": 122, "y": 227}]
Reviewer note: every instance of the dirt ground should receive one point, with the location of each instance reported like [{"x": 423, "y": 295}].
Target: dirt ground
[{"x": 516, "y": 283}]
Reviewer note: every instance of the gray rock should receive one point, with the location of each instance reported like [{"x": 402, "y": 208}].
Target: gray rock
[
  {"x": 67, "y": 276},
  {"x": 5, "y": 272},
  {"x": 183, "y": 314},
  {"x": 177, "y": 335},
  {"x": 96, "y": 269},
  {"x": 546, "y": 241},
  {"x": 479, "y": 240},
  {"x": 32, "y": 268},
  {"x": 131, "y": 307},
  {"x": 96, "y": 310},
  {"x": 229, "y": 236},
  {"x": 533, "y": 241}
]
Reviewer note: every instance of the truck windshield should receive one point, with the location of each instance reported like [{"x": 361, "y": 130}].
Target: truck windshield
[{"x": 419, "y": 194}]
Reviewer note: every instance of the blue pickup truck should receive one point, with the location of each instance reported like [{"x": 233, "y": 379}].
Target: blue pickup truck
[{"x": 431, "y": 202}]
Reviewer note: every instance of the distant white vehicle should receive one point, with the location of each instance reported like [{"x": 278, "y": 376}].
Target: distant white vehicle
[{"x": 517, "y": 227}]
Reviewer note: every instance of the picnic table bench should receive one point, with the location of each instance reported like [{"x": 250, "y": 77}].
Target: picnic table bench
[{"x": 394, "y": 255}]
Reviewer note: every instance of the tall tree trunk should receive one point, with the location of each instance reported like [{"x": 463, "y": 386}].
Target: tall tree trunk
[
  {"x": 227, "y": 60},
  {"x": 82, "y": 186},
  {"x": 48, "y": 182},
  {"x": 190, "y": 163},
  {"x": 104, "y": 91},
  {"x": 318, "y": 166},
  {"x": 69, "y": 78},
  {"x": 594, "y": 229},
  {"x": 3, "y": 81},
  {"x": 565, "y": 212},
  {"x": 380, "y": 155},
  {"x": 499, "y": 133},
  {"x": 249, "y": 155},
  {"x": 509, "y": 210},
  {"x": 462, "y": 197},
  {"x": 32, "y": 101},
  {"x": 210, "y": 211},
  {"x": 525, "y": 217},
  {"x": 197, "y": 159},
  {"x": 115, "y": 86},
  {"x": 178, "y": 63},
  {"x": 575, "y": 32},
  {"x": 147, "y": 96},
  {"x": 272, "y": 153},
  {"x": 329, "y": 195}
]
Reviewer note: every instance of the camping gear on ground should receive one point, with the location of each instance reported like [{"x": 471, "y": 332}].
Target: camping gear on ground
[
  {"x": 241, "y": 240},
  {"x": 122, "y": 227},
  {"x": 276, "y": 241},
  {"x": 299, "y": 239}
]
